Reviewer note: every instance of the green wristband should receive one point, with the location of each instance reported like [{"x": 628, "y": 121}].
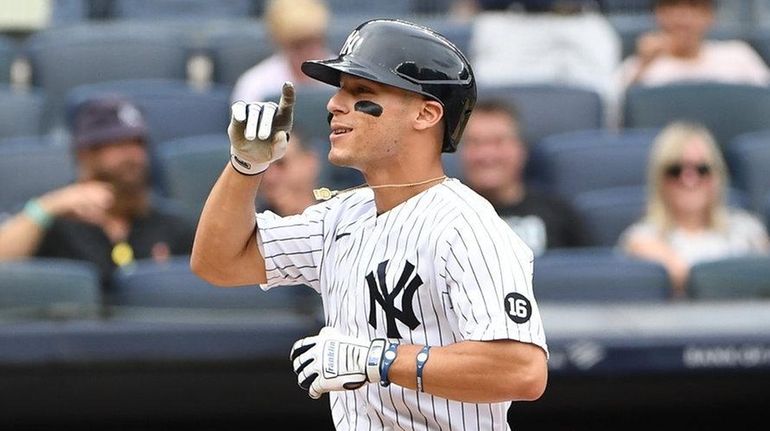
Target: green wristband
[{"x": 40, "y": 216}]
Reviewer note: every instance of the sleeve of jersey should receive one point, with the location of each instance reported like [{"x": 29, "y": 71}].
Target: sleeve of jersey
[
  {"x": 292, "y": 247},
  {"x": 489, "y": 281}
]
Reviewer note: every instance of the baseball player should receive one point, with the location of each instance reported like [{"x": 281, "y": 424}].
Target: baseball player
[{"x": 431, "y": 321}]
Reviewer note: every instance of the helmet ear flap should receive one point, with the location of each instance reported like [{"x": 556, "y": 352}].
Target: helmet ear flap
[{"x": 410, "y": 57}]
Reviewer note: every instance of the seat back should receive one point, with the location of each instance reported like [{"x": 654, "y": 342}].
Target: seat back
[
  {"x": 63, "y": 58},
  {"x": 733, "y": 278},
  {"x": 53, "y": 287},
  {"x": 21, "y": 112},
  {"x": 727, "y": 110},
  {"x": 173, "y": 285},
  {"x": 52, "y": 163},
  {"x": 748, "y": 157},
  {"x": 577, "y": 162},
  {"x": 191, "y": 166},
  {"x": 598, "y": 275},
  {"x": 550, "y": 109},
  {"x": 181, "y": 9}
]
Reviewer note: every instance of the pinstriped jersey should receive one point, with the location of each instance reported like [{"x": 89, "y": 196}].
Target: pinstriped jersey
[{"x": 437, "y": 269}]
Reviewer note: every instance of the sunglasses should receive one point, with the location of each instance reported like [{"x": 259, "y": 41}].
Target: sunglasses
[{"x": 675, "y": 170}]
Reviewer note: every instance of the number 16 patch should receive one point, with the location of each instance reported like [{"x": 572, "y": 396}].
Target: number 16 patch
[{"x": 518, "y": 307}]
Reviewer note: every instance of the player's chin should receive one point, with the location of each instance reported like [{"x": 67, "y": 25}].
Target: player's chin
[{"x": 339, "y": 157}]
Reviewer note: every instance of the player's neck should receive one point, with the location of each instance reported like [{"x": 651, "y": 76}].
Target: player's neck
[{"x": 399, "y": 188}]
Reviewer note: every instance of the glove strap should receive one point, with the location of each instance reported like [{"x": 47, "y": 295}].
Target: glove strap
[
  {"x": 244, "y": 166},
  {"x": 387, "y": 360},
  {"x": 422, "y": 358}
]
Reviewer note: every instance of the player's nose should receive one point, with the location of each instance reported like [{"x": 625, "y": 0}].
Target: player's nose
[{"x": 336, "y": 104}]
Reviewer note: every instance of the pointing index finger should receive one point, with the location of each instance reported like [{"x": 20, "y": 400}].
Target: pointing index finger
[{"x": 287, "y": 97}]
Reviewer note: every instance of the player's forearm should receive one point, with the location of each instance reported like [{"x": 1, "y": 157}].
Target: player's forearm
[
  {"x": 476, "y": 371},
  {"x": 225, "y": 251},
  {"x": 19, "y": 237}
]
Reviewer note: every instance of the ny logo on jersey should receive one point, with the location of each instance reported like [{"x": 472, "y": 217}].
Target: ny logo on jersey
[{"x": 378, "y": 293}]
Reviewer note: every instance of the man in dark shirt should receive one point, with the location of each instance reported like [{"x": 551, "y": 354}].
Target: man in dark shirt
[
  {"x": 108, "y": 216},
  {"x": 493, "y": 160}
]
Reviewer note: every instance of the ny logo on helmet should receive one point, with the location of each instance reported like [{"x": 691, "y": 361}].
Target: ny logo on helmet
[
  {"x": 380, "y": 295},
  {"x": 352, "y": 42}
]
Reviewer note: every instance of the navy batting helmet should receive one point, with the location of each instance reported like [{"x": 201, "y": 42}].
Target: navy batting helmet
[{"x": 410, "y": 57}]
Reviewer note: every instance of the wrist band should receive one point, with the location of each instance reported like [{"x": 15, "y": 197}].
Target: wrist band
[
  {"x": 374, "y": 358},
  {"x": 422, "y": 358},
  {"x": 245, "y": 167},
  {"x": 387, "y": 360},
  {"x": 39, "y": 216}
]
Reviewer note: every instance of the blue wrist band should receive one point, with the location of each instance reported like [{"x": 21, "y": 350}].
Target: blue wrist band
[
  {"x": 422, "y": 358},
  {"x": 38, "y": 215},
  {"x": 387, "y": 360}
]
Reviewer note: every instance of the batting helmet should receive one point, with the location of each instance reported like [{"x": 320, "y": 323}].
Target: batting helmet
[{"x": 410, "y": 57}]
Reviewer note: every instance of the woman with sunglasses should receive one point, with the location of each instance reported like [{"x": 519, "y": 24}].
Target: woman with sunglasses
[{"x": 687, "y": 220}]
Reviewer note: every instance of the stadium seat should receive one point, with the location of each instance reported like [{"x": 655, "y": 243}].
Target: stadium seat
[
  {"x": 733, "y": 278},
  {"x": 235, "y": 49},
  {"x": 727, "y": 110},
  {"x": 191, "y": 166},
  {"x": 760, "y": 41},
  {"x": 600, "y": 274},
  {"x": 576, "y": 162},
  {"x": 550, "y": 109},
  {"x": 173, "y": 285},
  {"x": 748, "y": 157},
  {"x": 629, "y": 27},
  {"x": 50, "y": 162},
  {"x": 7, "y": 55},
  {"x": 172, "y": 109},
  {"x": 181, "y": 9},
  {"x": 52, "y": 287},
  {"x": 64, "y": 58},
  {"x": 21, "y": 112}
]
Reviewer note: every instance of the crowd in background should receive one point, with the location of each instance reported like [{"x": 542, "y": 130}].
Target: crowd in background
[{"x": 110, "y": 215}]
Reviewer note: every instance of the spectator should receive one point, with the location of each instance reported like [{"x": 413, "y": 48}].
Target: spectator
[
  {"x": 288, "y": 184},
  {"x": 493, "y": 159},
  {"x": 298, "y": 29},
  {"x": 679, "y": 51},
  {"x": 107, "y": 217},
  {"x": 687, "y": 220},
  {"x": 563, "y": 42}
]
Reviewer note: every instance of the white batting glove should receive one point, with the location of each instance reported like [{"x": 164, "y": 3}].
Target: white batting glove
[
  {"x": 331, "y": 361},
  {"x": 259, "y": 132}
]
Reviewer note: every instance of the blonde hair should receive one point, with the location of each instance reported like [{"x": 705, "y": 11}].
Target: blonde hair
[
  {"x": 668, "y": 149},
  {"x": 290, "y": 20}
]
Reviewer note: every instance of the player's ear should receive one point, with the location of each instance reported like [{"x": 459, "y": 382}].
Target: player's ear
[{"x": 429, "y": 115}]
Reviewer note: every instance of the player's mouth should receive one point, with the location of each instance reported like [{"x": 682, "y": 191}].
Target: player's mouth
[{"x": 339, "y": 130}]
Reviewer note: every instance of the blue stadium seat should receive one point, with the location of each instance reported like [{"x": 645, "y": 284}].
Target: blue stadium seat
[
  {"x": 191, "y": 166},
  {"x": 21, "y": 111},
  {"x": 7, "y": 55},
  {"x": 173, "y": 285},
  {"x": 172, "y": 108},
  {"x": 550, "y": 109},
  {"x": 576, "y": 162},
  {"x": 748, "y": 156},
  {"x": 235, "y": 49},
  {"x": 56, "y": 287},
  {"x": 727, "y": 110},
  {"x": 63, "y": 58},
  {"x": 31, "y": 166},
  {"x": 734, "y": 278},
  {"x": 600, "y": 275},
  {"x": 760, "y": 41},
  {"x": 377, "y": 9},
  {"x": 607, "y": 212},
  {"x": 181, "y": 9}
]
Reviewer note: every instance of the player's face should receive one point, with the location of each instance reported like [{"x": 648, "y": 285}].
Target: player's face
[
  {"x": 690, "y": 183},
  {"x": 368, "y": 122},
  {"x": 492, "y": 154}
]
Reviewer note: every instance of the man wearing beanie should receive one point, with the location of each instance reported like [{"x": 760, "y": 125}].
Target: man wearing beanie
[{"x": 107, "y": 216}]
